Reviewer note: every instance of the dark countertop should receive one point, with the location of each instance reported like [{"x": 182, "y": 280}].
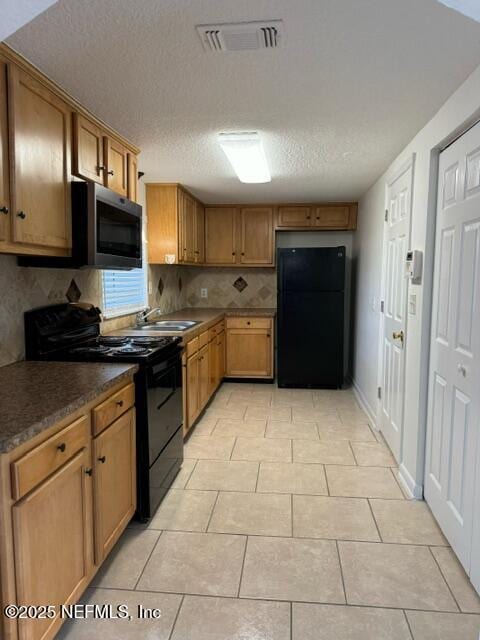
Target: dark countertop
[
  {"x": 36, "y": 395},
  {"x": 205, "y": 317}
]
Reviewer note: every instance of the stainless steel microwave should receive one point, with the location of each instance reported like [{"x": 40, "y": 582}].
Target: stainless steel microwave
[{"x": 106, "y": 231}]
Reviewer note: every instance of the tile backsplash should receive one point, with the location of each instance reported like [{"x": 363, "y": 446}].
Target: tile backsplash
[{"x": 170, "y": 288}]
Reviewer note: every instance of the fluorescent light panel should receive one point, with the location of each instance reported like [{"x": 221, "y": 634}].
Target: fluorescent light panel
[
  {"x": 470, "y": 8},
  {"x": 246, "y": 155}
]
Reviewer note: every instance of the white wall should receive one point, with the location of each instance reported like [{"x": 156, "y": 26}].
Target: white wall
[
  {"x": 460, "y": 111},
  {"x": 306, "y": 239}
]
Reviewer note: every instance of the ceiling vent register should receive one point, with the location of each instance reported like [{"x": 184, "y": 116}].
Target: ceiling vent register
[{"x": 242, "y": 36}]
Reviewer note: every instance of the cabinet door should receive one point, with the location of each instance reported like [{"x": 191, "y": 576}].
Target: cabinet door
[
  {"x": 249, "y": 353},
  {"x": 4, "y": 171},
  {"x": 257, "y": 235},
  {"x": 114, "y": 473},
  {"x": 116, "y": 163},
  {"x": 193, "y": 397},
  {"x": 41, "y": 134},
  {"x": 334, "y": 217},
  {"x": 187, "y": 225},
  {"x": 52, "y": 529},
  {"x": 291, "y": 216},
  {"x": 212, "y": 365},
  {"x": 88, "y": 150},
  {"x": 203, "y": 376},
  {"x": 220, "y": 235},
  {"x": 132, "y": 177},
  {"x": 220, "y": 356},
  {"x": 199, "y": 232}
]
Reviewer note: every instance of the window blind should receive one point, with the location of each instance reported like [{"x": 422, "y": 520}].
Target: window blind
[{"x": 124, "y": 291}]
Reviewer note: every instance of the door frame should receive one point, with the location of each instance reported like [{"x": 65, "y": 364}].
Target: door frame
[{"x": 393, "y": 175}]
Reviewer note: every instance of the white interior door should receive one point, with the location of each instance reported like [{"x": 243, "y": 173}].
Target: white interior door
[
  {"x": 454, "y": 377},
  {"x": 397, "y": 240}
]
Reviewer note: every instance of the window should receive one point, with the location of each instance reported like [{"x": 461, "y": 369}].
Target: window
[{"x": 124, "y": 292}]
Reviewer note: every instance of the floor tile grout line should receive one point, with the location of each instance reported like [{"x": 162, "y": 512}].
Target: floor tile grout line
[
  {"x": 276, "y": 600},
  {"x": 341, "y": 572},
  {"x": 374, "y": 519},
  {"x": 243, "y": 566},
  {"x": 147, "y": 560},
  {"x": 291, "y": 514},
  {"x": 291, "y": 620},
  {"x": 326, "y": 479},
  {"x": 408, "y": 623},
  {"x": 258, "y": 476},
  {"x": 353, "y": 453},
  {"x": 212, "y": 511},
  {"x": 445, "y": 579},
  {"x": 170, "y": 636}
]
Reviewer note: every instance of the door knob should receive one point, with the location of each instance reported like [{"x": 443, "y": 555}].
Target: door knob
[
  {"x": 461, "y": 368},
  {"x": 398, "y": 335}
]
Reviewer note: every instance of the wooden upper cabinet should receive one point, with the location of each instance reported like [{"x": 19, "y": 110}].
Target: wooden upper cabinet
[
  {"x": 199, "y": 232},
  {"x": 256, "y": 224},
  {"x": 114, "y": 474},
  {"x": 116, "y": 162},
  {"x": 187, "y": 213},
  {"x": 220, "y": 235},
  {"x": 88, "y": 148},
  {"x": 4, "y": 170},
  {"x": 332, "y": 217},
  {"x": 41, "y": 138},
  {"x": 293, "y": 216},
  {"x": 52, "y": 531},
  {"x": 132, "y": 177}
]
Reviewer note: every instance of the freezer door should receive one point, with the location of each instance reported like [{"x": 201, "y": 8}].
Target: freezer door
[{"x": 320, "y": 269}]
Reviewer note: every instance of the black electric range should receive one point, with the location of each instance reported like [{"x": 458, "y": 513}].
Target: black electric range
[{"x": 71, "y": 331}]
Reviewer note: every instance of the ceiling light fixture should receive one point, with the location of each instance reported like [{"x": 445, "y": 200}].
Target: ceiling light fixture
[{"x": 246, "y": 155}]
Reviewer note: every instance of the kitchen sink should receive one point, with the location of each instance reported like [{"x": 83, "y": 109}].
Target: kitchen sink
[{"x": 167, "y": 325}]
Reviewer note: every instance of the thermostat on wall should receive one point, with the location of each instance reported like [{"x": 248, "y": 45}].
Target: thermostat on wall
[{"x": 414, "y": 264}]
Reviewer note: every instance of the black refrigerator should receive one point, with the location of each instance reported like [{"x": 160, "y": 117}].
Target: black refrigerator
[{"x": 310, "y": 317}]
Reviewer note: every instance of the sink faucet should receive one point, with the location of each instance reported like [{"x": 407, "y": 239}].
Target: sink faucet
[{"x": 143, "y": 315}]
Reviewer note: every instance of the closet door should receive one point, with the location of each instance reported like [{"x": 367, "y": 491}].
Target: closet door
[{"x": 454, "y": 380}]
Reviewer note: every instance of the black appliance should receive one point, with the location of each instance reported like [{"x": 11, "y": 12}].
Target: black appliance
[
  {"x": 310, "y": 317},
  {"x": 106, "y": 231},
  {"x": 72, "y": 332}
]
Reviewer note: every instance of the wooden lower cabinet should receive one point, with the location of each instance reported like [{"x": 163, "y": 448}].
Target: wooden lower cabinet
[
  {"x": 52, "y": 533},
  {"x": 65, "y": 498},
  {"x": 249, "y": 347},
  {"x": 114, "y": 482},
  {"x": 220, "y": 356},
  {"x": 203, "y": 377},
  {"x": 192, "y": 386}
]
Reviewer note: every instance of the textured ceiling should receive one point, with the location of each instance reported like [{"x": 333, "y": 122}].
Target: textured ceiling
[{"x": 353, "y": 83}]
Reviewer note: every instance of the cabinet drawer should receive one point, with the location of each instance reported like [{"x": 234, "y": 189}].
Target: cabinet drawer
[
  {"x": 192, "y": 346},
  {"x": 105, "y": 413},
  {"x": 249, "y": 323},
  {"x": 220, "y": 327},
  {"x": 203, "y": 339},
  {"x": 38, "y": 464}
]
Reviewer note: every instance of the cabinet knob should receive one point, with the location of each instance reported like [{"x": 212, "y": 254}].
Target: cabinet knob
[
  {"x": 4, "y": 210},
  {"x": 268, "y": 335},
  {"x": 248, "y": 321},
  {"x": 119, "y": 403},
  {"x": 22, "y": 215},
  {"x": 308, "y": 217},
  {"x": 243, "y": 253},
  {"x": 102, "y": 459},
  {"x": 89, "y": 472},
  {"x": 61, "y": 447},
  {"x": 233, "y": 253},
  {"x": 110, "y": 173}
]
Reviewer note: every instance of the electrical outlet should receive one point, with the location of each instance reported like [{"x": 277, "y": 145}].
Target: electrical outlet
[{"x": 204, "y": 293}]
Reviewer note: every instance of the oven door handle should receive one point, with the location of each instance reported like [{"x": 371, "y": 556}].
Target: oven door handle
[{"x": 170, "y": 395}]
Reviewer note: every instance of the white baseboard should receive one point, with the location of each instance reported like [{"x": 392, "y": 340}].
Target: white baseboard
[
  {"x": 413, "y": 489},
  {"x": 365, "y": 404}
]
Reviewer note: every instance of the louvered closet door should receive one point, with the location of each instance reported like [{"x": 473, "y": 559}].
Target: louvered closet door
[{"x": 454, "y": 381}]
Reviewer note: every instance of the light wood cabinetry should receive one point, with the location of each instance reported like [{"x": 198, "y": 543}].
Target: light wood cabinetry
[
  {"x": 256, "y": 233},
  {"x": 220, "y": 235},
  {"x": 203, "y": 377},
  {"x": 249, "y": 347},
  {"x": 46, "y": 137},
  {"x": 114, "y": 482},
  {"x": 65, "y": 498},
  {"x": 328, "y": 217},
  {"x": 40, "y": 124},
  {"x": 175, "y": 225},
  {"x": 192, "y": 390},
  {"x": 5, "y": 209}
]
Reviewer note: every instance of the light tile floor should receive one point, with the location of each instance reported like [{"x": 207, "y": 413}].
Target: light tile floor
[{"x": 286, "y": 522}]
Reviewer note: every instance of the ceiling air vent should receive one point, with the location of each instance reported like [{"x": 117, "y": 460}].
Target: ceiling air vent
[{"x": 242, "y": 36}]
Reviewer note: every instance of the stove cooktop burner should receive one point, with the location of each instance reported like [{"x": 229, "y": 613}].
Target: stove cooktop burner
[
  {"x": 131, "y": 349},
  {"x": 99, "y": 349},
  {"x": 146, "y": 340},
  {"x": 112, "y": 341}
]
